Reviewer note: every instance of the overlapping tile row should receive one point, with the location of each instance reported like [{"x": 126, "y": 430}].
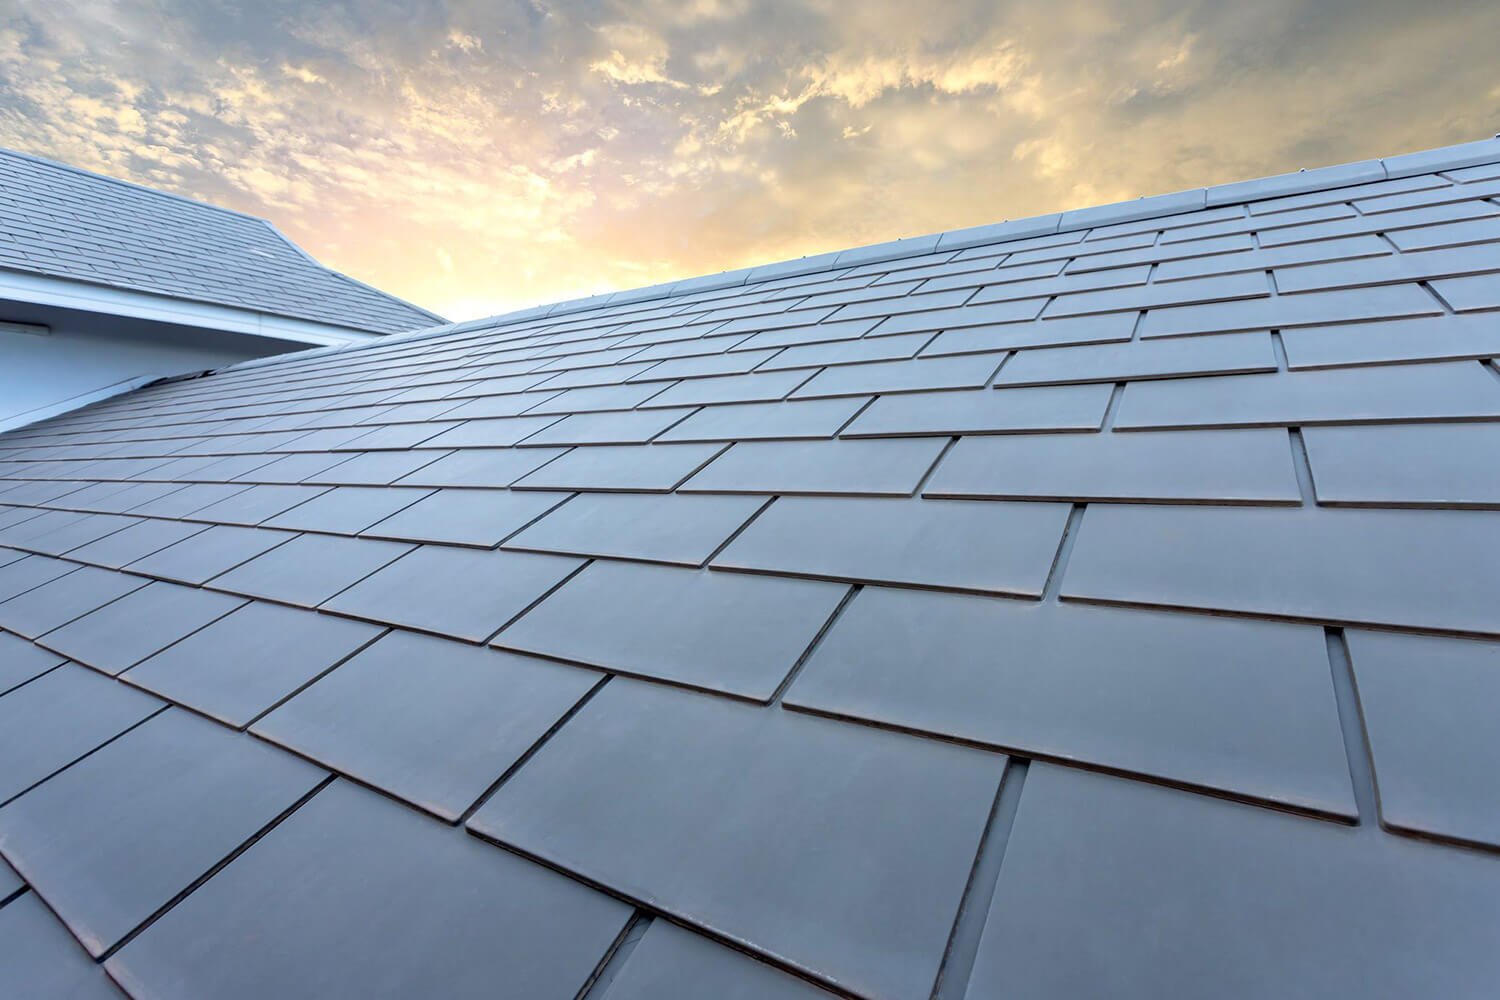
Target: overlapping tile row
[{"x": 839, "y": 634}]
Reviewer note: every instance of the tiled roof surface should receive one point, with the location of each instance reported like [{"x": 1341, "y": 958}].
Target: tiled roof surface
[
  {"x": 1033, "y": 619},
  {"x": 62, "y": 222}
]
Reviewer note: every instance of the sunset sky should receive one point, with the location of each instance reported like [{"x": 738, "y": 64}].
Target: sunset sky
[{"x": 480, "y": 155}]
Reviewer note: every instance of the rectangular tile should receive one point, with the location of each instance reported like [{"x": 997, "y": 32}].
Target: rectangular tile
[
  {"x": 1309, "y": 309},
  {"x": 20, "y": 661},
  {"x": 653, "y": 528},
  {"x": 849, "y": 352},
  {"x": 1392, "y": 269},
  {"x": 491, "y": 467},
  {"x": 206, "y": 555},
  {"x": 41, "y": 959},
  {"x": 969, "y": 371},
  {"x": 1229, "y": 353},
  {"x": 1420, "y": 569},
  {"x": 125, "y": 632},
  {"x": 1240, "y": 707},
  {"x": 309, "y": 569},
  {"x": 59, "y": 601},
  {"x": 105, "y": 842},
  {"x": 1002, "y": 548},
  {"x": 456, "y": 592},
  {"x": 375, "y": 468},
  {"x": 984, "y": 411},
  {"x": 752, "y": 388},
  {"x": 1102, "y": 328},
  {"x": 891, "y": 468},
  {"x": 1247, "y": 285},
  {"x": 1172, "y": 890},
  {"x": 1425, "y": 702},
  {"x": 1455, "y": 390},
  {"x": 1213, "y": 466},
  {"x": 1471, "y": 293},
  {"x": 348, "y": 510},
  {"x": 1017, "y": 311},
  {"x": 668, "y": 956},
  {"x": 634, "y": 468},
  {"x": 244, "y": 663},
  {"x": 501, "y": 432},
  {"x": 57, "y": 718},
  {"x": 437, "y": 737},
  {"x": 723, "y": 632},
  {"x": 1420, "y": 465},
  {"x": 29, "y": 572},
  {"x": 817, "y": 418},
  {"x": 1448, "y": 234},
  {"x": 353, "y": 874},
  {"x": 482, "y": 518},
  {"x": 1437, "y": 338},
  {"x": 586, "y": 400},
  {"x": 794, "y": 833}
]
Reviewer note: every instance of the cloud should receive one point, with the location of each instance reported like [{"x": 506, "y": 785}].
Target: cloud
[{"x": 474, "y": 155}]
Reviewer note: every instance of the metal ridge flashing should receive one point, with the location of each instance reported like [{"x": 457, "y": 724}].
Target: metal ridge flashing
[{"x": 1156, "y": 206}]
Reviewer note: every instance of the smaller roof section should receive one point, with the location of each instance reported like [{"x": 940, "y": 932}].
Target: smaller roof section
[{"x": 57, "y": 221}]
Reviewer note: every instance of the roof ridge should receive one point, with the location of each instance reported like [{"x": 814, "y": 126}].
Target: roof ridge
[
  {"x": 94, "y": 175},
  {"x": 1301, "y": 181}
]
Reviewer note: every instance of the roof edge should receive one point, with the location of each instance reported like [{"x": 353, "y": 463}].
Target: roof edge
[
  {"x": 1301, "y": 181},
  {"x": 64, "y": 293}
]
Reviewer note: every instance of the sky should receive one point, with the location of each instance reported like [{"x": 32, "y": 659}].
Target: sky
[{"x": 475, "y": 156}]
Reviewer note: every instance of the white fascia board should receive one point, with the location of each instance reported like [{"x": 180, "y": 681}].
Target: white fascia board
[{"x": 62, "y": 293}]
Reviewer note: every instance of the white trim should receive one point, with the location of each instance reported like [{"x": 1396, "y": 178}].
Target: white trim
[{"x": 63, "y": 293}]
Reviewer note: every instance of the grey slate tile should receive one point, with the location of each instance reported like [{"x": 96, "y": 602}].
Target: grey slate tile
[
  {"x": 20, "y": 661},
  {"x": 242, "y": 664},
  {"x": 1421, "y": 569},
  {"x": 1179, "y": 894},
  {"x": 1471, "y": 293},
  {"x": 816, "y": 418},
  {"x": 1230, "y": 353},
  {"x": 491, "y": 467},
  {"x": 202, "y": 557},
  {"x": 257, "y": 504},
  {"x": 892, "y": 468},
  {"x": 190, "y": 498},
  {"x": 498, "y": 433},
  {"x": 849, "y": 352},
  {"x": 121, "y": 634},
  {"x": 1448, "y": 234},
  {"x": 38, "y": 958},
  {"x": 671, "y": 963},
  {"x": 482, "y": 518},
  {"x": 722, "y": 632},
  {"x": 348, "y": 510},
  {"x": 376, "y": 468},
  {"x": 309, "y": 569},
  {"x": 806, "y": 840},
  {"x": 984, "y": 411},
  {"x": 595, "y": 398},
  {"x": 1308, "y": 309},
  {"x": 752, "y": 388},
  {"x": 657, "y": 468},
  {"x": 1241, "y": 707},
  {"x": 135, "y": 542},
  {"x": 455, "y": 592},
  {"x": 115, "y": 837},
  {"x": 969, "y": 371},
  {"x": 85, "y": 528},
  {"x": 29, "y": 572},
  {"x": 359, "y": 895},
  {"x": 1427, "y": 707},
  {"x": 57, "y": 718},
  {"x": 1420, "y": 465},
  {"x": 1177, "y": 294},
  {"x": 288, "y": 470},
  {"x": 1392, "y": 269},
  {"x": 649, "y": 527},
  {"x": 10, "y": 886},
  {"x": 615, "y": 427},
  {"x": 1454, "y": 390},
  {"x": 68, "y": 597},
  {"x": 1222, "y": 466},
  {"x": 428, "y": 720},
  {"x": 1004, "y": 548},
  {"x": 911, "y": 321},
  {"x": 1435, "y": 338}
]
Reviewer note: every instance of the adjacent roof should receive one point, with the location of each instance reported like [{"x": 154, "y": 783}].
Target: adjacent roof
[
  {"x": 1103, "y": 612},
  {"x": 62, "y": 222}
]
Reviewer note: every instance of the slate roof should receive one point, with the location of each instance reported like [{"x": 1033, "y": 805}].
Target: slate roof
[
  {"x": 1103, "y": 612},
  {"x": 61, "y": 222}
]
